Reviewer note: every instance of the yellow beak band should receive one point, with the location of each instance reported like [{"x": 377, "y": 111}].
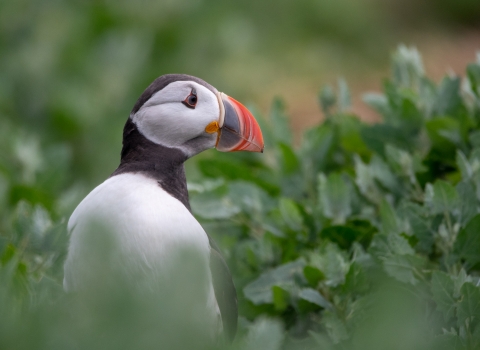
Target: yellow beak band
[{"x": 212, "y": 127}]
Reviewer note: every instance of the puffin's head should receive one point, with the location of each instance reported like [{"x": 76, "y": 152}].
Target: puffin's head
[{"x": 182, "y": 111}]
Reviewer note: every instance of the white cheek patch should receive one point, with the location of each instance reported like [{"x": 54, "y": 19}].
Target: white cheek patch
[
  {"x": 165, "y": 120},
  {"x": 166, "y": 124}
]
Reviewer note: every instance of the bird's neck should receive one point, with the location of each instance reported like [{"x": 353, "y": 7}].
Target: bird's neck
[{"x": 164, "y": 164}]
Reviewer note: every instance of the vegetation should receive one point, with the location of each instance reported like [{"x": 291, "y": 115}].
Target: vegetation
[{"x": 363, "y": 237}]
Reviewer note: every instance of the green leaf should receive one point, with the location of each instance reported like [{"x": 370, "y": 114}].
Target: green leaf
[
  {"x": 443, "y": 290},
  {"x": 427, "y": 97},
  {"x": 404, "y": 268},
  {"x": 321, "y": 340},
  {"x": 31, "y": 194},
  {"x": 327, "y": 99},
  {"x": 265, "y": 334},
  {"x": 209, "y": 206},
  {"x": 378, "y": 135},
  {"x": 409, "y": 117},
  {"x": 441, "y": 197},
  {"x": 356, "y": 280},
  {"x": 259, "y": 291},
  {"x": 291, "y": 214},
  {"x": 418, "y": 224},
  {"x": 344, "y": 99},
  {"x": 334, "y": 197},
  {"x": 476, "y": 181},
  {"x": 474, "y": 138},
  {"x": 281, "y": 298},
  {"x": 333, "y": 262},
  {"x": 401, "y": 162},
  {"x": 288, "y": 159},
  {"x": 378, "y": 102},
  {"x": 370, "y": 179},
  {"x": 314, "y": 297},
  {"x": 250, "y": 197},
  {"x": 473, "y": 74},
  {"x": 229, "y": 169},
  {"x": 33, "y": 222},
  {"x": 344, "y": 236},
  {"x": 7, "y": 254},
  {"x": 390, "y": 224},
  {"x": 464, "y": 165},
  {"x": 389, "y": 245},
  {"x": 313, "y": 275},
  {"x": 449, "y": 341},
  {"x": 365, "y": 231},
  {"x": 365, "y": 180},
  {"x": 317, "y": 144},
  {"x": 335, "y": 327},
  {"x": 460, "y": 279},
  {"x": 384, "y": 175},
  {"x": 448, "y": 100},
  {"x": 3, "y": 244},
  {"x": 349, "y": 127},
  {"x": 444, "y": 134},
  {"x": 474, "y": 159},
  {"x": 469, "y": 305},
  {"x": 467, "y": 206},
  {"x": 407, "y": 66},
  {"x": 467, "y": 244}
]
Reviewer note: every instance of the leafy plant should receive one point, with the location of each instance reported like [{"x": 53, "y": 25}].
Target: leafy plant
[
  {"x": 358, "y": 208},
  {"x": 365, "y": 236}
]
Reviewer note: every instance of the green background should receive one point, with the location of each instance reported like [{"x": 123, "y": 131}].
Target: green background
[{"x": 342, "y": 235}]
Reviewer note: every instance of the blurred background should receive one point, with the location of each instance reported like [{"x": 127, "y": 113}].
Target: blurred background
[{"x": 72, "y": 70}]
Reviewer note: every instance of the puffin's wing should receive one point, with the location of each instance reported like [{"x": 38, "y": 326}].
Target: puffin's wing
[{"x": 225, "y": 291}]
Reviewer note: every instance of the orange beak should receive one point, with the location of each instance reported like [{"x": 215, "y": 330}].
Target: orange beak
[{"x": 239, "y": 131}]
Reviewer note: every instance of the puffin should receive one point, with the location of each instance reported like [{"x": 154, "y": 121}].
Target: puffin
[{"x": 145, "y": 203}]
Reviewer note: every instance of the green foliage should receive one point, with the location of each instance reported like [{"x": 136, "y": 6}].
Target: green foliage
[
  {"x": 362, "y": 237},
  {"x": 394, "y": 203}
]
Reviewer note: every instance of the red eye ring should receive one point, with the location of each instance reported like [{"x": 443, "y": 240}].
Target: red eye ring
[{"x": 191, "y": 100}]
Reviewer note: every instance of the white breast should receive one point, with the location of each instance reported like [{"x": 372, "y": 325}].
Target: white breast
[{"x": 148, "y": 224}]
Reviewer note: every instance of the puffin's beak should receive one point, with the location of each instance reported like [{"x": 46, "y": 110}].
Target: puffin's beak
[{"x": 239, "y": 131}]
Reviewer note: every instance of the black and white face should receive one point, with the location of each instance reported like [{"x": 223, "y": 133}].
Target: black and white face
[
  {"x": 178, "y": 115},
  {"x": 184, "y": 112}
]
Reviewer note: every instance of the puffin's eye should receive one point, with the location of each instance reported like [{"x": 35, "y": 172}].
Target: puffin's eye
[{"x": 191, "y": 100}]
